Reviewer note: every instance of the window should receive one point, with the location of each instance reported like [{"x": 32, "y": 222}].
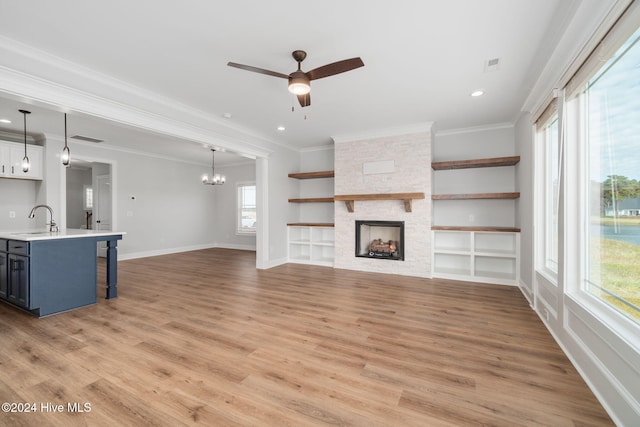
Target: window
[
  {"x": 246, "y": 218},
  {"x": 611, "y": 184},
  {"x": 548, "y": 138},
  {"x": 88, "y": 197}
]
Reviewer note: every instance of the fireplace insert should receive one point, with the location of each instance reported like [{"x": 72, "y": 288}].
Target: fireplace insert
[{"x": 380, "y": 239}]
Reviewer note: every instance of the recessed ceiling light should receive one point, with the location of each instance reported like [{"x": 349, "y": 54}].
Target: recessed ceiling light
[
  {"x": 227, "y": 115},
  {"x": 477, "y": 93},
  {"x": 281, "y": 128},
  {"x": 5, "y": 121}
]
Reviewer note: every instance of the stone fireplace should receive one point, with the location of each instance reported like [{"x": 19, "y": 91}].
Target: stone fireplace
[
  {"x": 386, "y": 164},
  {"x": 380, "y": 240}
]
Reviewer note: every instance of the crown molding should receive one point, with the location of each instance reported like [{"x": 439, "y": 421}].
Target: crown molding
[
  {"x": 317, "y": 148},
  {"x": 156, "y": 113},
  {"x": 585, "y": 27},
  {"x": 474, "y": 129},
  {"x": 119, "y": 149},
  {"x": 425, "y": 127}
]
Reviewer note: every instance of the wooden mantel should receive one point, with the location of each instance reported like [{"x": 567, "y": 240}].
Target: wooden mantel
[{"x": 349, "y": 199}]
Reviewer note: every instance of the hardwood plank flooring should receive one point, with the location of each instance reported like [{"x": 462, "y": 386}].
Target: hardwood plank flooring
[{"x": 203, "y": 338}]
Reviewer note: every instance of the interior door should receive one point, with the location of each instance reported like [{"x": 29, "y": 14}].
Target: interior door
[{"x": 102, "y": 208}]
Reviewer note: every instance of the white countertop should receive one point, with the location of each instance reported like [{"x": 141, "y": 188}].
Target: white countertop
[{"x": 68, "y": 233}]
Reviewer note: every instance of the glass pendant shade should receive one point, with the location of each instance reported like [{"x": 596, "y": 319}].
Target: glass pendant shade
[
  {"x": 66, "y": 156},
  {"x": 26, "y": 165},
  {"x": 66, "y": 153}
]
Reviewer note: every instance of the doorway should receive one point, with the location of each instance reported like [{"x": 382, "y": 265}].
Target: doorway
[{"x": 89, "y": 202}]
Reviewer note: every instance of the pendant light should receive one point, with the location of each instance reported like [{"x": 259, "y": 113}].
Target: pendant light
[
  {"x": 216, "y": 179},
  {"x": 25, "y": 160},
  {"x": 66, "y": 153}
]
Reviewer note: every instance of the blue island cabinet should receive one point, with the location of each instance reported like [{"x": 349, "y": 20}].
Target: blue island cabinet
[{"x": 49, "y": 276}]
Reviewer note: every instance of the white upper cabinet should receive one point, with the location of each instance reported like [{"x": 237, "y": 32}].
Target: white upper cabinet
[{"x": 11, "y": 155}]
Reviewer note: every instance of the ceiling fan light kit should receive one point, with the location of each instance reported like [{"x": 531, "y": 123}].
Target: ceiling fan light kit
[{"x": 299, "y": 81}]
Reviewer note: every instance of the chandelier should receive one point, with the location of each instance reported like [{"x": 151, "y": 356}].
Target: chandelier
[{"x": 216, "y": 179}]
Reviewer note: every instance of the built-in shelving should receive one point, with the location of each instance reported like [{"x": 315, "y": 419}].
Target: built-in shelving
[
  {"x": 478, "y": 253},
  {"x": 310, "y": 224},
  {"x": 476, "y": 163},
  {"x": 312, "y": 200},
  {"x": 477, "y": 256},
  {"x": 312, "y": 175},
  {"x": 512, "y": 195},
  {"x": 478, "y": 228},
  {"x": 311, "y": 242}
]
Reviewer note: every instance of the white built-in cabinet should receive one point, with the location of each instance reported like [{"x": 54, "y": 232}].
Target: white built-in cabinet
[
  {"x": 478, "y": 256},
  {"x": 11, "y": 155},
  {"x": 479, "y": 253},
  {"x": 311, "y": 244}
]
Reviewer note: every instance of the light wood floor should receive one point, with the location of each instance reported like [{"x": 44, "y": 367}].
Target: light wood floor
[{"x": 205, "y": 338}]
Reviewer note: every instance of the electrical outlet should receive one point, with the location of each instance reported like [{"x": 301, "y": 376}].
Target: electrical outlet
[
  {"x": 12, "y": 214},
  {"x": 472, "y": 218}
]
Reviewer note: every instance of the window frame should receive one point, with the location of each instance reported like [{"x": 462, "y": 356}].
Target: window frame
[
  {"x": 87, "y": 194},
  {"x": 239, "y": 208},
  {"x": 576, "y": 180},
  {"x": 545, "y": 192}
]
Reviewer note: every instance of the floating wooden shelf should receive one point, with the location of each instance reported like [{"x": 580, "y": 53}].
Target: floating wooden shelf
[
  {"x": 310, "y": 224},
  {"x": 475, "y": 196},
  {"x": 313, "y": 200},
  {"x": 476, "y": 163},
  {"x": 349, "y": 199},
  {"x": 312, "y": 175},
  {"x": 477, "y": 228}
]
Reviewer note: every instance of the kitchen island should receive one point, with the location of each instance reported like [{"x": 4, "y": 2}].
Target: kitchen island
[{"x": 50, "y": 272}]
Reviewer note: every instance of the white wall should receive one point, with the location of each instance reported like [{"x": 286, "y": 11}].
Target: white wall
[
  {"x": 280, "y": 212},
  {"x": 315, "y": 160},
  {"x": 171, "y": 211},
  {"x": 474, "y": 143},
  {"x": 226, "y": 206},
  {"x": 19, "y": 196},
  {"x": 525, "y": 205}
]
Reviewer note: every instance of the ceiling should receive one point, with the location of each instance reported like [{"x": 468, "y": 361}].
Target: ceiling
[{"x": 422, "y": 60}]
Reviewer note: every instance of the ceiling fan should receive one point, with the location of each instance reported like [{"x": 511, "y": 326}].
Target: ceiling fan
[{"x": 299, "y": 81}]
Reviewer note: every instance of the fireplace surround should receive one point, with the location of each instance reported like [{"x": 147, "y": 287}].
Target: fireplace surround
[{"x": 380, "y": 239}]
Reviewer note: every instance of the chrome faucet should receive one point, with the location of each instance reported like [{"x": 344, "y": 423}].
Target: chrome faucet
[{"x": 52, "y": 225}]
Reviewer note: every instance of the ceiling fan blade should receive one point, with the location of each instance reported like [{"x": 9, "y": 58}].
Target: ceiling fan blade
[
  {"x": 258, "y": 70},
  {"x": 304, "y": 100},
  {"x": 335, "y": 68}
]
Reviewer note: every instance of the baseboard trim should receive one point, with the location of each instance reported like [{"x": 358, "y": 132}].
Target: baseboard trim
[{"x": 168, "y": 251}]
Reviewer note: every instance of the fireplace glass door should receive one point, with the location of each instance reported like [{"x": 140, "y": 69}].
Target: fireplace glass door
[{"x": 380, "y": 239}]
